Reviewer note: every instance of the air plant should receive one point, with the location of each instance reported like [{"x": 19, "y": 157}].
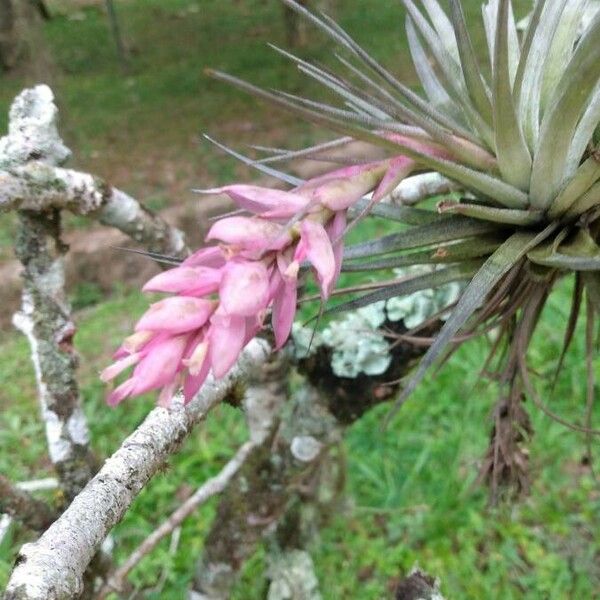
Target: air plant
[{"x": 517, "y": 129}]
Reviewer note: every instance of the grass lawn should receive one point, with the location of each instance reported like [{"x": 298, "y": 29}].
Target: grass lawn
[{"x": 411, "y": 492}]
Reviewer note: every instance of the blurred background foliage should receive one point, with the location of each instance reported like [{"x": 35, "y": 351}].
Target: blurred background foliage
[{"x": 412, "y": 495}]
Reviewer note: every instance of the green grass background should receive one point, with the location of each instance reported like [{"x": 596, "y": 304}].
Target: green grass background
[{"x": 412, "y": 496}]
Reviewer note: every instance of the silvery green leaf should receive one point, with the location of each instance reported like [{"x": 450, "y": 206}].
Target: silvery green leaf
[
  {"x": 581, "y": 253},
  {"x": 450, "y": 72},
  {"x": 533, "y": 66},
  {"x": 443, "y": 27},
  {"x": 513, "y": 155},
  {"x": 590, "y": 199},
  {"x": 409, "y": 285},
  {"x": 438, "y": 254},
  {"x": 490, "y": 20},
  {"x": 332, "y": 29},
  {"x": 586, "y": 175},
  {"x": 434, "y": 90},
  {"x": 473, "y": 77},
  {"x": 584, "y": 132},
  {"x": 508, "y": 216},
  {"x": 490, "y": 273},
  {"x": 567, "y": 32},
  {"x": 558, "y": 127},
  {"x": 446, "y": 230}
]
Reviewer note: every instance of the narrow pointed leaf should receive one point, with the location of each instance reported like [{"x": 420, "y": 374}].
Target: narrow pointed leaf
[
  {"x": 480, "y": 182},
  {"x": 506, "y": 216},
  {"x": 295, "y": 181},
  {"x": 473, "y": 77},
  {"x": 589, "y": 200},
  {"x": 561, "y": 50},
  {"x": 410, "y": 285},
  {"x": 578, "y": 254},
  {"x": 450, "y": 71},
  {"x": 446, "y": 253},
  {"x": 560, "y": 121},
  {"x": 341, "y": 37},
  {"x": 532, "y": 67},
  {"x": 446, "y": 230},
  {"x": 584, "y": 132},
  {"x": 587, "y": 174},
  {"x": 443, "y": 27},
  {"x": 490, "y": 21},
  {"x": 434, "y": 90},
  {"x": 513, "y": 155},
  {"x": 490, "y": 273}
]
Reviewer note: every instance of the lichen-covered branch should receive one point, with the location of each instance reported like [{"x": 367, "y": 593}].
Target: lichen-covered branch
[
  {"x": 53, "y": 566},
  {"x": 32, "y": 183},
  {"x": 37, "y": 186},
  {"x": 23, "y": 507},
  {"x": 213, "y": 486},
  {"x": 45, "y": 318}
]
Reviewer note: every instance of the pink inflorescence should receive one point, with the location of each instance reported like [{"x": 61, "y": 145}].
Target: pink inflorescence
[{"x": 220, "y": 295}]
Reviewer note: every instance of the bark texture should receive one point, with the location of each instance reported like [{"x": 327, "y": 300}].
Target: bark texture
[
  {"x": 292, "y": 480},
  {"x": 52, "y": 568},
  {"x": 21, "y": 505},
  {"x": 33, "y": 183},
  {"x": 22, "y": 45}
]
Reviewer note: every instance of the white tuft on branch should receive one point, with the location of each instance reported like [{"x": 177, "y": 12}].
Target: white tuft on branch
[
  {"x": 420, "y": 187},
  {"x": 52, "y": 567}
]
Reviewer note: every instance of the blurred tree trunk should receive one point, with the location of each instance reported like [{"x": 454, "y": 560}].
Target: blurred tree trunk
[
  {"x": 296, "y": 26},
  {"x": 22, "y": 45}
]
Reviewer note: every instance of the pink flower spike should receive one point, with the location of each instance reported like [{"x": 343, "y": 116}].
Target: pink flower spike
[
  {"x": 400, "y": 168},
  {"x": 177, "y": 314},
  {"x": 226, "y": 339},
  {"x": 274, "y": 204},
  {"x": 185, "y": 280},
  {"x": 120, "y": 393},
  {"x": 197, "y": 358},
  {"x": 342, "y": 188},
  {"x": 205, "y": 257},
  {"x": 118, "y": 367},
  {"x": 315, "y": 246},
  {"x": 244, "y": 288},
  {"x": 160, "y": 365},
  {"x": 192, "y": 383},
  {"x": 335, "y": 230},
  {"x": 136, "y": 341},
  {"x": 168, "y": 391},
  {"x": 428, "y": 148},
  {"x": 284, "y": 311},
  {"x": 249, "y": 233}
]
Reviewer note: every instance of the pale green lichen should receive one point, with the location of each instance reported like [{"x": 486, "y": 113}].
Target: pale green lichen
[
  {"x": 418, "y": 307},
  {"x": 358, "y": 344}
]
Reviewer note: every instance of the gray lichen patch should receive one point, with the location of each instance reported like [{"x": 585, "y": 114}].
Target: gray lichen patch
[{"x": 358, "y": 343}]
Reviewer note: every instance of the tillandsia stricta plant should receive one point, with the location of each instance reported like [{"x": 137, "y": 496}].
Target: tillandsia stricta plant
[{"x": 517, "y": 129}]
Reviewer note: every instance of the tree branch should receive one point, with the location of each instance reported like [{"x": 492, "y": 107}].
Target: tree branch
[
  {"x": 22, "y": 506},
  {"x": 32, "y": 182},
  {"x": 38, "y": 186},
  {"x": 53, "y": 566},
  {"x": 207, "y": 490}
]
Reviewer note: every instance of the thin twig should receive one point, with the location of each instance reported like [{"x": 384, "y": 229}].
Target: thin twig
[{"x": 207, "y": 490}]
